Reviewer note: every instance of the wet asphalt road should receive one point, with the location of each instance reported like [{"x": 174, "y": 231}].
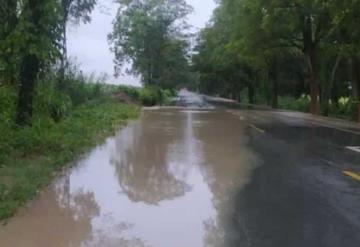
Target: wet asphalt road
[
  {"x": 201, "y": 176},
  {"x": 299, "y": 195}
]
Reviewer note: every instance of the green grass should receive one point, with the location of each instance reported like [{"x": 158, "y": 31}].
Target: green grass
[
  {"x": 301, "y": 104},
  {"x": 344, "y": 109},
  {"x": 31, "y": 157}
]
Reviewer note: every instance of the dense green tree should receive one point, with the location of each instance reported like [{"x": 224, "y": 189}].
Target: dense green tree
[
  {"x": 37, "y": 36},
  {"x": 348, "y": 38},
  {"x": 8, "y": 20},
  {"x": 314, "y": 28},
  {"x": 222, "y": 71},
  {"x": 150, "y": 36},
  {"x": 291, "y": 47}
]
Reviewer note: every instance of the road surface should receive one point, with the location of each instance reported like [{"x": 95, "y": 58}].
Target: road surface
[{"x": 181, "y": 177}]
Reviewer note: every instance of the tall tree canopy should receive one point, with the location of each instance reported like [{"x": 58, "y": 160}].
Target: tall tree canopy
[
  {"x": 37, "y": 42},
  {"x": 8, "y": 19},
  {"x": 302, "y": 43},
  {"x": 150, "y": 36}
]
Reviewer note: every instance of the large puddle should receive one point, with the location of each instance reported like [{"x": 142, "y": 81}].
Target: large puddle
[{"x": 166, "y": 180}]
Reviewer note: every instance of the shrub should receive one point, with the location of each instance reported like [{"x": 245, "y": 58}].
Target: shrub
[
  {"x": 150, "y": 96},
  {"x": 7, "y": 116},
  {"x": 132, "y": 92},
  {"x": 301, "y": 104},
  {"x": 7, "y": 105},
  {"x": 166, "y": 96},
  {"x": 80, "y": 91},
  {"x": 345, "y": 108},
  {"x": 50, "y": 102}
]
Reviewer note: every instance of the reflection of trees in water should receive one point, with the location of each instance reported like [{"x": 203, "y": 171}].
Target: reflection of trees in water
[
  {"x": 113, "y": 237},
  {"x": 56, "y": 218},
  {"x": 82, "y": 208},
  {"x": 76, "y": 209},
  {"x": 141, "y": 159},
  {"x": 227, "y": 168},
  {"x": 214, "y": 235},
  {"x": 79, "y": 204}
]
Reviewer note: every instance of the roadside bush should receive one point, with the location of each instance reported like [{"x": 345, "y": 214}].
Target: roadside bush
[
  {"x": 7, "y": 116},
  {"x": 150, "y": 96},
  {"x": 166, "y": 96},
  {"x": 80, "y": 90},
  {"x": 301, "y": 104},
  {"x": 7, "y": 104},
  {"x": 50, "y": 102},
  {"x": 35, "y": 153},
  {"x": 132, "y": 92},
  {"x": 345, "y": 108}
]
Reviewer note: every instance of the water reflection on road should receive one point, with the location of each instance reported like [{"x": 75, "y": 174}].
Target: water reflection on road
[{"x": 165, "y": 180}]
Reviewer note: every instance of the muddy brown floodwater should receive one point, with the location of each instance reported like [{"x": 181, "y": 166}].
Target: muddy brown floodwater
[{"x": 166, "y": 180}]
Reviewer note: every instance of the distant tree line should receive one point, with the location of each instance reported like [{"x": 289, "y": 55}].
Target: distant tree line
[{"x": 273, "y": 48}]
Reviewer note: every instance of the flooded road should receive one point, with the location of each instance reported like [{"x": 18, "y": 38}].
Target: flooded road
[
  {"x": 169, "y": 179},
  {"x": 204, "y": 178}
]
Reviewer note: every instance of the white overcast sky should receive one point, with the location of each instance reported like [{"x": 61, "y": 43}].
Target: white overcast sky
[{"x": 88, "y": 43}]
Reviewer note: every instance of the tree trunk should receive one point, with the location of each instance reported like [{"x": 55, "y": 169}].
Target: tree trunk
[
  {"x": 231, "y": 95},
  {"x": 251, "y": 93},
  {"x": 335, "y": 96},
  {"x": 313, "y": 84},
  {"x": 328, "y": 89},
  {"x": 274, "y": 93},
  {"x": 310, "y": 56},
  {"x": 28, "y": 75},
  {"x": 355, "y": 84},
  {"x": 30, "y": 65},
  {"x": 238, "y": 96},
  {"x": 9, "y": 21},
  {"x": 274, "y": 83}
]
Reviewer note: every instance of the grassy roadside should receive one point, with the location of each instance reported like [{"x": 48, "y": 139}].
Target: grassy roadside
[{"x": 31, "y": 157}]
